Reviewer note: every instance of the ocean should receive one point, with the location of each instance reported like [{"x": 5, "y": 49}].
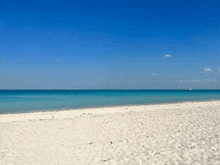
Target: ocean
[{"x": 21, "y": 101}]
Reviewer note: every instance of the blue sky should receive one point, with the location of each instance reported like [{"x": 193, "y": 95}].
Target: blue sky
[{"x": 117, "y": 44}]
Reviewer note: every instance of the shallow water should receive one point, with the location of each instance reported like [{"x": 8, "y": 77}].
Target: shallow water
[{"x": 20, "y": 101}]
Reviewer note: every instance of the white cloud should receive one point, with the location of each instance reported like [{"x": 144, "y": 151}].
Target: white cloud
[
  {"x": 181, "y": 80},
  {"x": 154, "y": 74},
  {"x": 209, "y": 80},
  {"x": 208, "y": 69},
  {"x": 167, "y": 55},
  {"x": 219, "y": 69},
  {"x": 58, "y": 59},
  {"x": 196, "y": 80}
]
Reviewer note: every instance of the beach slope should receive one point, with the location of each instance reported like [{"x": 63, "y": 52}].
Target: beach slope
[{"x": 187, "y": 133}]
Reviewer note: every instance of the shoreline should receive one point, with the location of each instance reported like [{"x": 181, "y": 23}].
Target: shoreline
[
  {"x": 114, "y": 106},
  {"x": 71, "y": 113}
]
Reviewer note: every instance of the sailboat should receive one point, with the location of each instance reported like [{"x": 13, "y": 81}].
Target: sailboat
[{"x": 190, "y": 89}]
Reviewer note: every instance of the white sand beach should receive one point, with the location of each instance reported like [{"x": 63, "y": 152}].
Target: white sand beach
[{"x": 179, "y": 133}]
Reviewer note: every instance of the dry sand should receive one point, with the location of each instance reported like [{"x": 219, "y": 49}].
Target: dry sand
[{"x": 180, "y": 133}]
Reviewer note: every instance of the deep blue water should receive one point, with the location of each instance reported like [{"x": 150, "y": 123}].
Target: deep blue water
[{"x": 20, "y": 101}]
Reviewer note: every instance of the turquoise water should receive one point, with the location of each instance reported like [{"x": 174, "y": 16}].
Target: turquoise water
[{"x": 20, "y": 101}]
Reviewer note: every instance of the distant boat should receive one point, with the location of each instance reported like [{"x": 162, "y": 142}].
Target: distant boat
[{"x": 190, "y": 89}]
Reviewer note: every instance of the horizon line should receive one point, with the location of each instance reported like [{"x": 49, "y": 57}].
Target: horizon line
[{"x": 112, "y": 89}]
